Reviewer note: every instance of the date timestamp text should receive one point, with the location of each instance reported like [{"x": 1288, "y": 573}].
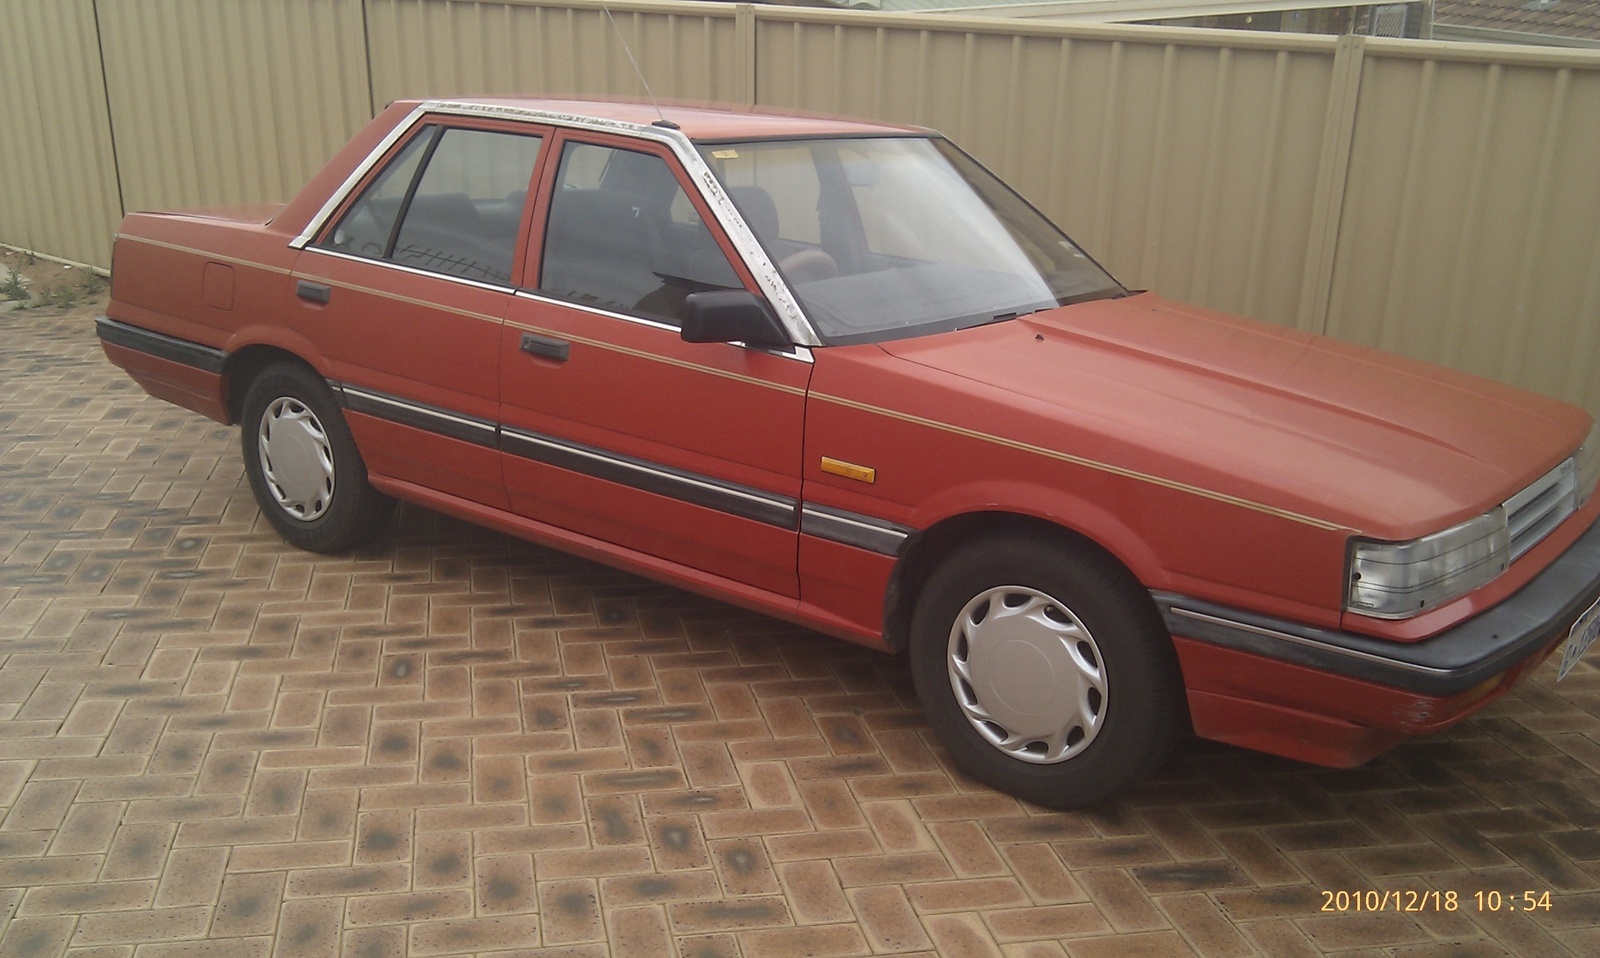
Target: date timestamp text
[{"x": 1428, "y": 899}]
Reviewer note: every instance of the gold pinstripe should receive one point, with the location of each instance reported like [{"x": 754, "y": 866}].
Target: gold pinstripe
[
  {"x": 1080, "y": 461},
  {"x": 482, "y": 317},
  {"x": 236, "y": 261},
  {"x": 667, "y": 360},
  {"x": 792, "y": 390},
  {"x": 408, "y": 300}
]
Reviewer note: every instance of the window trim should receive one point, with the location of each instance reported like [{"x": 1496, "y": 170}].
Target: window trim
[
  {"x": 550, "y": 186},
  {"x": 405, "y": 200},
  {"x": 387, "y": 156},
  {"x": 750, "y": 252}
]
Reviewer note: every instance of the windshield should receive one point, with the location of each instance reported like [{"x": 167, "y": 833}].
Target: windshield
[{"x": 899, "y": 236}]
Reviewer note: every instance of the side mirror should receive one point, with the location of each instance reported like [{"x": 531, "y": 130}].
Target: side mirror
[{"x": 731, "y": 316}]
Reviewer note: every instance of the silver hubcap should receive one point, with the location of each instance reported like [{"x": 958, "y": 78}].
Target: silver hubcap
[
  {"x": 1027, "y": 674},
  {"x": 296, "y": 459}
]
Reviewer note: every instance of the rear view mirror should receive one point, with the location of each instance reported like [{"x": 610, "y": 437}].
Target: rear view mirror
[{"x": 731, "y": 316}]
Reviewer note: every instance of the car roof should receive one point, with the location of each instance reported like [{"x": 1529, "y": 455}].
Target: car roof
[{"x": 698, "y": 121}]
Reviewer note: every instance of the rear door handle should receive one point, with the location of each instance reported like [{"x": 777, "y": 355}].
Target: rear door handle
[
  {"x": 313, "y": 292},
  {"x": 536, "y": 345}
]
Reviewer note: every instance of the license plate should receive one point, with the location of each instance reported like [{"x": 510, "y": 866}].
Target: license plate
[{"x": 1579, "y": 639}]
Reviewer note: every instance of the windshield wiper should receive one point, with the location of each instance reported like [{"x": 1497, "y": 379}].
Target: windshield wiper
[{"x": 1012, "y": 314}]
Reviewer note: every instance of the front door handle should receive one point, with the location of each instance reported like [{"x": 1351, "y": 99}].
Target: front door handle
[
  {"x": 313, "y": 292},
  {"x": 536, "y": 345}
]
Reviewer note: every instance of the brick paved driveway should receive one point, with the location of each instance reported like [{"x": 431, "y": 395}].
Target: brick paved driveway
[{"x": 454, "y": 742}]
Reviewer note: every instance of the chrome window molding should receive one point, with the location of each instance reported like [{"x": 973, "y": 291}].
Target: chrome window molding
[
  {"x": 390, "y": 264},
  {"x": 356, "y": 176},
  {"x": 748, "y": 247},
  {"x": 593, "y": 310},
  {"x": 799, "y": 353},
  {"x": 739, "y": 234}
]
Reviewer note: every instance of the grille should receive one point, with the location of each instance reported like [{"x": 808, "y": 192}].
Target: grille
[{"x": 1533, "y": 512}]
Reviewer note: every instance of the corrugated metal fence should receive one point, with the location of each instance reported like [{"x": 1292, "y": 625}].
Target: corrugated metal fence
[{"x": 1442, "y": 200}]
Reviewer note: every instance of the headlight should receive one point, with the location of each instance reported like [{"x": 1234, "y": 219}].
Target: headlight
[
  {"x": 1588, "y": 460},
  {"x": 1392, "y": 580}
]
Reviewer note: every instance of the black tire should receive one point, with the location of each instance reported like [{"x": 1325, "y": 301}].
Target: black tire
[
  {"x": 304, "y": 468},
  {"x": 1046, "y": 670}
]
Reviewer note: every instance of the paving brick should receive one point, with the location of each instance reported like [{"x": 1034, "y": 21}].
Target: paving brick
[
  {"x": 442, "y": 860},
  {"x": 138, "y": 927},
  {"x": 961, "y": 934},
  {"x": 743, "y": 867},
  {"x": 351, "y": 881},
  {"x": 887, "y": 919},
  {"x": 1204, "y": 926},
  {"x": 504, "y": 884},
  {"x": 467, "y": 935},
  {"x": 77, "y": 899},
  {"x": 638, "y": 930},
  {"x": 570, "y": 911},
  {"x": 409, "y": 907},
  {"x": 36, "y": 937},
  {"x": 968, "y": 894},
  {"x": 248, "y": 905},
  {"x": 1151, "y": 944},
  {"x": 1120, "y": 899}
]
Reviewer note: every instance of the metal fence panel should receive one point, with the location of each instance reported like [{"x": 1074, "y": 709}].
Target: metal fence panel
[
  {"x": 238, "y": 102},
  {"x": 1471, "y": 227},
  {"x": 58, "y": 181},
  {"x": 683, "y": 50}
]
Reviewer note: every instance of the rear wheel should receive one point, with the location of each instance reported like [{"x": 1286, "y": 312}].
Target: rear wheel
[
  {"x": 304, "y": 468},
  {"x": 1045, "y": 670}
]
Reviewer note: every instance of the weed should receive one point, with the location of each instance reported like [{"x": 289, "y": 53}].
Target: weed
[
  {"x": 13, "y": 289},
  {"x": 60, "y": 296}
]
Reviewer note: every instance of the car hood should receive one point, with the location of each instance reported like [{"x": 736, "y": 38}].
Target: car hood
[{"x": 1377, "y": 443}]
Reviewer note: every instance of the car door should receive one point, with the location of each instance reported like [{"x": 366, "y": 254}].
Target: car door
[
  {"x": 405, "y": 291},
  {"x": 613, "y": 426}
]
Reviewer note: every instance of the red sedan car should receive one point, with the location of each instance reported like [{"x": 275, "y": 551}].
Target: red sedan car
[{"x": 838, "y": 372}]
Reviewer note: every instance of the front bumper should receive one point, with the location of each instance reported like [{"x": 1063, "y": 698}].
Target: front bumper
[{"x": 1337, "y": 698}]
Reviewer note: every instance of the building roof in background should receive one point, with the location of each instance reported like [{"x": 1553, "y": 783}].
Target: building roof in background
[
  {"x": 1099, "y": 11},
  {"x": 1575, "y": 19}
]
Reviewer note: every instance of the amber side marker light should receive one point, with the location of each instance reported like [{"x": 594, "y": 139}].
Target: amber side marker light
[{"x": 849, "y": 470}]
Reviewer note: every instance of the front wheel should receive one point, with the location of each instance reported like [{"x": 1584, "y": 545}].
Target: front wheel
[
  {"x": 1045, "y": 670},
  {"x": 304, "y": 468}
]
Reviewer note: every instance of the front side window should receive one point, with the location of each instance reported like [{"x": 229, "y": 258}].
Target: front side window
[
  {"x": 624, "y": 236},
  {"x": 450, "y": 202},
  {"x": 889, "y": 237}
]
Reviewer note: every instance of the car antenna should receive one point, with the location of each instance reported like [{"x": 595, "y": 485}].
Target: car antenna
[{"x": 663, "y": 121}]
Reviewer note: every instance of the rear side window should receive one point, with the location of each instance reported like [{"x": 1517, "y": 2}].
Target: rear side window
[{"x": 450, "y": 202}]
